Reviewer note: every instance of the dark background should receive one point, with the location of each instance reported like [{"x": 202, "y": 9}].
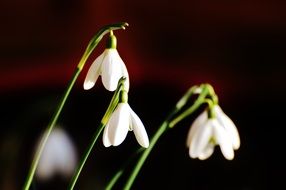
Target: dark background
[{"x": 237, "y": 46}]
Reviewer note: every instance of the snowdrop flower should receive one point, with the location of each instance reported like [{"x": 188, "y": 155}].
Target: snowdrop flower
[
  {"x": 58, "y": 157},
  {"x": 110, "y": 66},
  {"x": 122, "y": 120},
  {"x": 207, "y": 132}
]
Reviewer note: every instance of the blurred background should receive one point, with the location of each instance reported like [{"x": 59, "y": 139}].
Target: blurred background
[{"x": 237, "y": 46}]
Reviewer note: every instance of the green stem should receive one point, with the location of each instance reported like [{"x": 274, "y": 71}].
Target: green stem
[
  {"x": 182, "y": 102},
  {"x": 114, "y": 100},
  {"x": 166, "y": 125},
  {"x": 112, "y": 105},
  {"x": 114, "y": 179},
  {"x": 145, "y": 154},
  {"x": 96, "y": 39},
  {"x": 147, "y": 151},
  {"x": 195, "y": 106},
  {"x": 136, "y": 170},
  {"x": 48, "y": 131},
  {"x": 119, "y": 173},
  {"x": 200, "y": 100},
  {"x": 83, "y": 161},
  {"x": 92, "y": 44}
]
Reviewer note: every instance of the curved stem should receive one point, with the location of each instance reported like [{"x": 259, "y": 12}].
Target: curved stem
[
  {"x": 92, "y": 44},
  {"x": 114, "y": 179},
  {"x": 200, "y": 100},
  {"x": 145, "y": 154},
  {"x": 119, "y": 173},
  {"x": 182, "y": 102},
  {"x": 112, "y": 105},
  {"x": 189, "y": 111},
  {"x": 114, "y": 100},
  {"x": 82, "y": 163},
  {"x": 96, "y": 39},
  {"x": 166, "y": 125},
  {"x": 211, "y": 104},
  {"x": 48, "y": 132}
]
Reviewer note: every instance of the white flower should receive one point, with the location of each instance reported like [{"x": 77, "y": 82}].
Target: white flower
[
  {"x": 206, "y": 132},
  {"x": 58, "y": 157},
  {"x": 111, "y": 68},
  {"x": 122, "y": 120}
]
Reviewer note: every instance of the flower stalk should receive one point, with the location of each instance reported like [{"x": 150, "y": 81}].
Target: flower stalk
[
  {"x": 144, "y": 155},
  {"x": 120, "y": 172},
  {"x": 91, "y": 46},
  {"x": 205, "y": 91},
  {"x": 169, "y": 123},
  {"x": 48, "y": 132},
  {"x": 112, "y": 105},
  {"x": 212, "y": 127}
]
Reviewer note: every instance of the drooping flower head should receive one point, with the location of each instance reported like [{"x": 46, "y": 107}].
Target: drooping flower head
[
  {"x": 206, "y": 132},
  {"x": 122, "y": 120},
  {"x": 109, "y": 65}
]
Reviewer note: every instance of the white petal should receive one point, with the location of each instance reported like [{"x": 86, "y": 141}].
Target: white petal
[
  {"x": 207, "y": 152},
  {"x": 199, "y": 121},
  {"x": 93, "y": 72},
  {"x": 139, "y": 129},
  {"x": 229, "y": 126},
  {"x": 118, "y": 124},
  {"x": 105, "y": 139},
  {"x": 224, "y": 141},
  {"x": 200, "y": 139},
  {"x": 204, "y": 138},
  {"x": 111, "y": 69}
]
